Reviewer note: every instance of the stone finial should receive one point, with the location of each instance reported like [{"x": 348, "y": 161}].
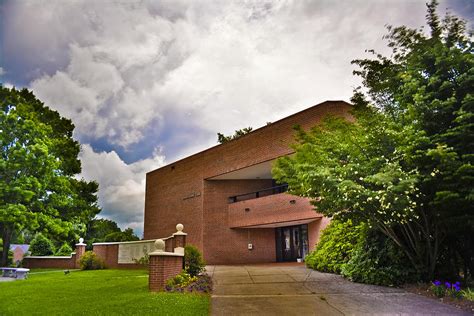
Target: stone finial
[
  {"x": 159, "y": 245},
  {"x": 81, "y": 240},
  {"x": 180, "y": 228}
]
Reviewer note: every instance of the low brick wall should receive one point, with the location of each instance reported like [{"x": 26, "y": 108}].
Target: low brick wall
[
  {"x": 50, "y": 262},
  {"x": 59, "y": 262},
  {"x": 166, "y": 257},
  {"x": 109, "y": 253},
  {"x": 162, "y": 268}
]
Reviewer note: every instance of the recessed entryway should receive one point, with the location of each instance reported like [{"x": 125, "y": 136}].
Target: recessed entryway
[{"x": 291, "y": 243}]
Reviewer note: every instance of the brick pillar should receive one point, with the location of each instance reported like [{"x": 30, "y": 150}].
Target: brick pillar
[
  {"x": 179, "y": 239},
  {"x": 80, "y": 250},
  {"x": 163, "y": 266}
]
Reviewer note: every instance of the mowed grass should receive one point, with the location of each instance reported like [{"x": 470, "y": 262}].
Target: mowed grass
[{"x": 100, "y": 292}]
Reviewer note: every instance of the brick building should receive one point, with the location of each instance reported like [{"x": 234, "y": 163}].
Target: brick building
[{"x": 230, "y": 206}]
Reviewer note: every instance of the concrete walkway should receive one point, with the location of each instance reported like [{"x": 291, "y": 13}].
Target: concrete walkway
[{"x": 292, "y": 289}]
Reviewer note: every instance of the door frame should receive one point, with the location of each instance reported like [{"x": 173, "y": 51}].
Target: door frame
[{"x": 293, "y": 251}]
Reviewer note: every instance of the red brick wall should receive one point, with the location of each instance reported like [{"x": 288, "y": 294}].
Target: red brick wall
[
  {"x": 109, "y": 254},
  {"x": 162, "y": 268},
  {"x": 270, "y": 209},
  {"x": 224, "y": 245},
  {"x": 168, "y": 203},
  {"x": 60, "y": 263},
  {"x": 315, "y": 229},
  {"x": 179, "y": 193}
]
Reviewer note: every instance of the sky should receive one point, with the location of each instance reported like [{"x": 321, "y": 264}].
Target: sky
[{"x": 150, "y": 82}]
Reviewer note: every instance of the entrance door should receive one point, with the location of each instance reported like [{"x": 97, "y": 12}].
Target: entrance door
[{"x": 291, "y": 242}]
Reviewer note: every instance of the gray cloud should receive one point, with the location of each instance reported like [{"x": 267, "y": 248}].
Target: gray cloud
[{"x": 140, "y": 75}]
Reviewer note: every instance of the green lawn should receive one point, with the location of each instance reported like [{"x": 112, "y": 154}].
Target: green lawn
[{"x": 101, "y": 292}]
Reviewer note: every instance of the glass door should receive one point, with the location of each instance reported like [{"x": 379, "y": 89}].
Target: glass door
[{"x": 291, "y": 242}]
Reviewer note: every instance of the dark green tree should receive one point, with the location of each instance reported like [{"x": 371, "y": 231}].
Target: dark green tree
[
  {"x": 221, "y": 138},
  {"x": 41, "y": 246},
  {"x": 126, "y": 235},
  {"x": 98, "y": 229},
  {"x": 38, "y": 165},
  {"x": 405, "y": 166},
  {"x": 64, "y": 250}
]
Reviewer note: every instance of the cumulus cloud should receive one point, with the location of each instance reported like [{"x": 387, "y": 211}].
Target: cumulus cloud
[
  {"x": 121, "y": 185},
  {"x": 137, "y": 75},
  {"x": 117, "y": 67}
]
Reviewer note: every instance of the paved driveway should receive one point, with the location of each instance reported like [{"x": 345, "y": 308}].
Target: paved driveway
[{"x": 292, "y": 289}]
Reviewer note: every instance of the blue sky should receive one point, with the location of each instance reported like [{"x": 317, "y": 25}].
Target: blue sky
[{"x": 149, "y": 82}]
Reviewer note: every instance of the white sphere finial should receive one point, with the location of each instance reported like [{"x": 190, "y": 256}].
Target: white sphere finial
[
  {"x": 179, "y": 227},
  {"x": 81, "y": 240},
  {"x": 160, "y": 245}
]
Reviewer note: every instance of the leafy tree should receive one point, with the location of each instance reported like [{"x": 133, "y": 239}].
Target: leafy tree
[
  {"x": 221, "y": 138},
  {"x": 376, "y": 259},
  {"x": 38, "y": 165},
  {"x": 98, "y": 229},
  {"x": 405, "y": 166},
  {"x": 64, "y": 250},
  {"x": 126, "y": 235},
  {"x": 41, "y": 246}
]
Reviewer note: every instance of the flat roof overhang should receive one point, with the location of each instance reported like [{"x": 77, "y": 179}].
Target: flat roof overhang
[
  {"x": 261, "y": 170},
  {"x": 283, "y": 224}
]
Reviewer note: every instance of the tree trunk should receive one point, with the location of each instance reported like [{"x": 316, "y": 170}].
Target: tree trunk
[{"x": 6, "y": 237}]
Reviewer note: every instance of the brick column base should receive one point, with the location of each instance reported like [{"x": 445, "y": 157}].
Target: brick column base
[
  {"x": 80, "y": 250},
  {"x": 163, "y": 266}
]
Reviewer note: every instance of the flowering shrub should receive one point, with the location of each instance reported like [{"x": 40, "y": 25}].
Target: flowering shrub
[
  {"x": 90, "y": 261},
  {"x": 184, "y": 282},
  {"x": 438, "y": 289},
  {"x": 447, "y": 289}
]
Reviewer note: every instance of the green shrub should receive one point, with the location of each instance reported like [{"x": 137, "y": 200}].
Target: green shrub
[
  {"x": 193, "y": 261},
  {"x": 145, "y": 260},
  {"x": 377, "y": 260},
  {"x": 65, "y": 250},
  {"x": 438, "y": 289},
  {"x": 90, "y": 261},
  {"x": 468, "y": 294},
  {"x": 41, "y": 246},
  {"x": 334, "y": 249}
]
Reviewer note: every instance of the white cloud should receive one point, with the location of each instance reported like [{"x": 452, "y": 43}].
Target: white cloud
[
  {"x": 125, "y": 65},
  {"x": 184, "y": 70},
  {"x": 121, "y": 185}
]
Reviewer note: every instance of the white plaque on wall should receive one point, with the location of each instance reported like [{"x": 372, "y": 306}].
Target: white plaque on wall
[{"x": 129, "y": 252}]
